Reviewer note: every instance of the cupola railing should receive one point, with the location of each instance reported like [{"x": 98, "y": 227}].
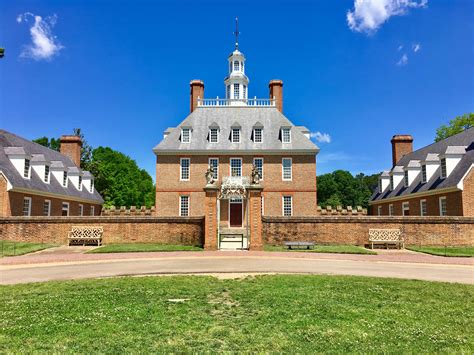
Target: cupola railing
[{"x": 217, "y": 102}]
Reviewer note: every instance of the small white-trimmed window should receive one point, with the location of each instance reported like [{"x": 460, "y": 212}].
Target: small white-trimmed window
[
  {"x": 47, "y": 208},
  {"x": 423, "y": 174},
  {"x": 65, "y": 178},
  {"x": 214, "y": 135},
  {"x": 65, "y": 209},
  {"x": 92, "y": 186},
  {"x": 214, "y": 162},
  {"x": 286, "y": 135},
  {"x": 258, "y": 162},
  {"x": 27, "y": 169},
  {"x": 257, "y": 135},
  {"x": 423, "y": 208},
  {"x": 235, "y": 135},
  {"x": 391, "y": 183},
  {"x": 236, "y": 91},
  {"x": 443, "y": 168},
  {"x": 235, "y": 166},
  {"x": 79, "y": 186},
  {"x": 406, "y": 179},
  {"x": 185, "y": 135},
  {"x": 184, "y": 168},
  {"x": 406, "y": 208},
  {"x": 184, "y": 206},
  {"x": 443, "y": 208},
  {"x": 245, "y": 91},
  {"x": 287, "y": 169},
  {"x": 27, "y": 206},
  {"x": 92, "y": 210},
  {"x": 46, "y": 173},
  {"x": 236, "y": 65},
  {"x": 390, "y": 210},
  {"x": 379, "y": 210},
  {"x": 287, "y": 206},
  {"x": 81, "y": 210}
]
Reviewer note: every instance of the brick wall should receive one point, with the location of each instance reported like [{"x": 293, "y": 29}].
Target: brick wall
[
  {"x": 354, "y": 230},
  {"x": 468, "y": 194},
  {"x": 177, "y": 230}
]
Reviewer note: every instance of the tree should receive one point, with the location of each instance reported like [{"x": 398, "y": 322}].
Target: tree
[
  {"x": 119, "y": 180},
  {"x": 456, "y": 125},
  {"x": 52, "y": 143},
  {"x": 86, "y": 150}
]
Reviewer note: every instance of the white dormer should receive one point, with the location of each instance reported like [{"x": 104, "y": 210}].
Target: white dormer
[
  {"x": 429, "y": 167},
  {"x": 167, "y": 132},
  {"x": 75, "y": 177},
  {"x": 412, "y": 170},
  {"x": 214, "y": 133},
  {"x": 450, "y": 159},
  {"x": 88, "y": 181},
  {"x": 235, "y": 133},
  {"x": 257, "y": 133},
  {"x": 285, "y": 134},
  {"x": 396, "y": 177},
  {"x": 59, "y": 172},
  {"x": 384, "y": 181},
  {"x": 20, "y": 160},
  {"x": 41, "y": 167}
]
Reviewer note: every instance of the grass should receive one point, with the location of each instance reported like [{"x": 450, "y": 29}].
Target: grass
[
  {"x": 339, "y": 249},
  {"x": 442, "y": 251},
  {"x": 9, "y": 248},
  {"x": 283, "y": 313},
  {"x": 143, "y": 247}
]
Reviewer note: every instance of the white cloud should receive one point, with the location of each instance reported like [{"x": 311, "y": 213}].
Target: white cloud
[
  {"x": 416, "y": 47},
  {"x": 400, "y": 47},
  {"x": 321, "y": 137},
  {"x": 44, "y": 44},
  {"x": 403, "y": 60},
  {"x": 368, "y": 15}
]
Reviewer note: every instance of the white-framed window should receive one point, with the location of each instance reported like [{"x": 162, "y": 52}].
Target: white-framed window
[
  {"x": 405, "y": 179},
  {"x": 287, "y": 206},
  {"x": 390, "y": 210},
  {"x": 263, "y": 206},
  {"x": 443, "y": 209},
  {"x": 245, "y": 91},
  {"x": 92, "y": 186},
  {"x": 214, "y": 162},
  {"x": 235, "y": 166},
  {"x": 236, "y": 65},
  {"x": 46, "y": 173},
  {"x": 81, "y": 210},
  {"x": 379, "y": 210},
  {"x": 214, "y": 135},
  {"x": 27, "y": 206},
  {"x": 423, "y": 208},
  {"x": 423, "y": 174},
  {"x": 79, "y": 184},
  {"x": 27, "y": 169},
  {"x": 65, "y": 178},
  {"x": 185, "y": 135},
  {"x": 227, "y": 92},
  {"x": 236, "y": 91},
  {"x": 235, "y": 135},
  {"x": 47, "y": 208},
  {"x": 391, "y": 183},
  {"x": 184, "y": 206},
  {"x": 185, "y": 164},
  {"x": 257, "y": 135},
  {"x": 406, "y": 208},
  {"x": 443, "y": 168},
  {"x": 287, "y": 169},
  {"x": 65, "y": 209},
  {"x": 92, "y": 211},
  {"x": 258, "y": 162},
  {"x": 286, "y": 135}
]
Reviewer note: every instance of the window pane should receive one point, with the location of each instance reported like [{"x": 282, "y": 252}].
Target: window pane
[
  {"x": 26, "y": 172},
  {"x": 214, "y": 162},
  {"x": 65, "y": 178},
  {"x": 406, "y": 179},
  {"x": 26, "y": 207},
  {"x": 185, "y": 169},
  {"x": 46, "y": 173},
  {"x": 213, "y": 135},
  {"x": 443, "y": 167},
  {"x": 186, "y": 135},
  {"x": 258, "y": 162},
  {"x": 257, "y": 135},
  {"x": 236, "y": 91},
  {"x": 442, "y": 207},
  {"x": 285, "y": 135},
  {"x": 65, "y": 209},
  {"x": 423, "y": 207},
  {"x": 235, "y": 167},
  {"x": 236, "y": 65},
  {"x": 287, "y": 169},
  {"x": 184, "y": 206},
  {"x": 287, "y": 206},
  {"x": 46, "y": 208},
  {"x": 423, "y": 173},
  {"x": 80, "y": 182},
  {"x": 92, "y": 210},
  {"x": 235, "y": 135}
]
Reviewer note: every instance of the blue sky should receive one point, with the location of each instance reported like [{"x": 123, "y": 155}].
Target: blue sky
[{"x": 358, "y": 72}]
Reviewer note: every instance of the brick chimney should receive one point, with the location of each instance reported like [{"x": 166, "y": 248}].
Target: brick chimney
[
  {"x": 276, "y": 90},
  {"x": 71, "y": 147},
  {"x": 197, "y": 90},
  {"x": 402, "y": 144}
]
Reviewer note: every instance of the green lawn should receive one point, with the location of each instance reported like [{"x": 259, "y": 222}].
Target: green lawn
[
  {"x": 263, "y": 314},
  {"x": 9, "y": 248},
  {"x": 340, "y": 249},
  {"x": 448, "y": 251},
  {"x": 138, "y": 247}
]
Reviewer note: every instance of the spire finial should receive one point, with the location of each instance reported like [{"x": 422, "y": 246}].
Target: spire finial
[{"x": 236, "y": 33}]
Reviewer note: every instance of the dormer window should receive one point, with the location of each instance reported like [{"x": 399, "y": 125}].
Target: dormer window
[
  {"x": 380, "y": 186},
  {"x": 443, "y": 168},
  {"x": 214, "y": 135},
  {"x": 92, "y": 187},
  {"x": 27, "y": 168},
  {"x": 236, "y": 65},
  {"x": 79, "y": 183},
  {"x": 65, "y": 178},
  {"x": 391, "y": 183},
  {"x": 46, "y": 173},
  {"x": 406, "y": 180},
  {"x": 423, "y": 174},
  {"x": 235, "y": 135},
  {"x": 286, "y": 135},
  {"x": 257, "y": 135},
  {"x": 186, "y": 135}
]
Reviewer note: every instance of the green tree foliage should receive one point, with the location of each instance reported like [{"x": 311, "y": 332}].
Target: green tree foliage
[
  {"x": 119, "y": 180},
  {"x": 455, "y": 126},
  {"x": 340, "y": 188},
  {"x": 52, "y": 143},
  {"x": 86, "y": 150}
]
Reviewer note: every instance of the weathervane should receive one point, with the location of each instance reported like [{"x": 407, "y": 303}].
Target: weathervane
[{"x": 236, "y": 33}]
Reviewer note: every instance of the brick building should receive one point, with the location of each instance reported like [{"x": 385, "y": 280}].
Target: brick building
[
  {"x": 232, "y": 135},
  {"x": 37, "y": 181},
  {"x": 436, "y": 180}
]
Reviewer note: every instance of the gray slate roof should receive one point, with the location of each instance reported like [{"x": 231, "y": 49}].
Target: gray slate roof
[
  {"x": 226, "y": 117},
  {"x": 465, "y": 139},
  {"x": 14, "y": 144}
]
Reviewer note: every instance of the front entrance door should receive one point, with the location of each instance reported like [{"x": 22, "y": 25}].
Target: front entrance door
[{"x": 235, "y": 213}]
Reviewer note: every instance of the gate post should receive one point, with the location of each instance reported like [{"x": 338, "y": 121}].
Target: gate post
[
  {"x": 255, "y": 211},
  {"x": 210, "y": 217}
]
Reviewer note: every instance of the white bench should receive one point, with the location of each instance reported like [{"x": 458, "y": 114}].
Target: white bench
[
  {"x": 85, "y": 235},
  {"x": 386, "y": 236}
]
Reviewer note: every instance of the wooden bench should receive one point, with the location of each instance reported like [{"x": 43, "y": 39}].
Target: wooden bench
[
  {"x": 299, "y": 245},
  {"x": 85, "y": 235},
  {"x": 386, "y": 236}
]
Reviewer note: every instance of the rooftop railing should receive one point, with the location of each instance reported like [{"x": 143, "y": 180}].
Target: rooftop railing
[{"x": 217, "y": 102}]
